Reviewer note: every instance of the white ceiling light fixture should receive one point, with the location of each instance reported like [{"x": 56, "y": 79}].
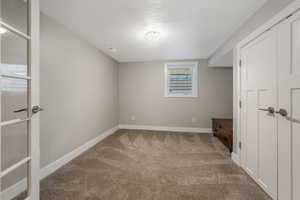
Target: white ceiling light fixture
[
  {"x": 2, "y": 30},
  {"x": 153, "y": 36}
]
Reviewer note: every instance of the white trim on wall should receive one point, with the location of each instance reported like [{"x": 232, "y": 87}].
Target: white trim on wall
[
  {"x": 14, "y": 190},
  {"x": 235, "y": 158},
  {"x": 166, "y": 128},
  {"x": 49, "y": 169}
]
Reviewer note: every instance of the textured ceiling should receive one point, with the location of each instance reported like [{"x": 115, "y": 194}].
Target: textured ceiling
[{"x": 189, "y": 28}]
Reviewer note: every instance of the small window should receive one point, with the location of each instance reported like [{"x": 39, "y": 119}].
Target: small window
[{"x": 181, "y": 79}]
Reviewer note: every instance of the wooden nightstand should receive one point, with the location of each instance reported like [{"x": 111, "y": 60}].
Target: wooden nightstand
[{"x": 223, "y": 130}]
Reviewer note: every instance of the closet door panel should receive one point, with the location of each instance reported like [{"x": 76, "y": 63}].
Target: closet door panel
[
  {"x": 295, "y": 36},
  {"x": 251, "y": 133},
  {"x": 259, "y": 84},
  {"x": 289, "y": 100}
]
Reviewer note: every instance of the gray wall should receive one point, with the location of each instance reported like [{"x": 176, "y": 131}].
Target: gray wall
[
  {"x": 79, "y": 91},
  {"x": 141, "y": 94}
]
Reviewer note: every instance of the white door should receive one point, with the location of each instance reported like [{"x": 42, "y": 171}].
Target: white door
[
  {"x": 259, "y": 94},
  {"x": 19, "y": 90},
  {"x": 289, "y": 103}
]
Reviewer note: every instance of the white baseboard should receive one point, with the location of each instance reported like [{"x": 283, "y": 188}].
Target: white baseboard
[
  {"x": 235, "y": 158},
  {"x": 49, "y": 169},
  {"x": 166, "y": 128},
  {"x": 19, "y": 187},
  {"x": 14, "y": 190}
]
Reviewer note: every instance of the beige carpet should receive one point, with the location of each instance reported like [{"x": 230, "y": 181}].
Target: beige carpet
[{"x": 146, "y": 165}]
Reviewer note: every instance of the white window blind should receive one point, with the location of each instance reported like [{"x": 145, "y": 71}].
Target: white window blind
[{"x": 181, "y": 80}]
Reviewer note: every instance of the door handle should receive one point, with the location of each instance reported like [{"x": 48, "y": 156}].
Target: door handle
[
  {"x": 282, "y": 112},
  {"x": 21, "y": 110},
  {"x": 270, "y": 110},
  {"x": 36, "y": 109}
]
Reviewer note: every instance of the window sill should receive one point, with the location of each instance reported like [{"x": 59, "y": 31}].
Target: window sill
[{"x": 181, "y": 96}]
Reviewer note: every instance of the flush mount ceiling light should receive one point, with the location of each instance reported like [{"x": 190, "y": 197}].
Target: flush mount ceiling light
[
  {"x": 2, "y": 30},
  {"x": 152, "y": 36}
]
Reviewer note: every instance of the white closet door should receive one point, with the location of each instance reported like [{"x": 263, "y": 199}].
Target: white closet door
[
  {"x": 289, "y": 101},
  {"x": 259, "y": 90}
]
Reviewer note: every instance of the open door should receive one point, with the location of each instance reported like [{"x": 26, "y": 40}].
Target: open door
[{"x": 19, "y": 89}]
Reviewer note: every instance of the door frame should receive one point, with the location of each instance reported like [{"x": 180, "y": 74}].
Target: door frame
[{"x": 34, "y": 16}]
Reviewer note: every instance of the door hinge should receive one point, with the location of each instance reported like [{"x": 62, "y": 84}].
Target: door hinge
[
  {"x": 240, "y": 103},
  {"x": 240, "y": 145},
  {"x": 240, "y": 63}
]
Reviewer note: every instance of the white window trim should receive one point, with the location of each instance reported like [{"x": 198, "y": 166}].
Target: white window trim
[{"x": 194, "y": 67}]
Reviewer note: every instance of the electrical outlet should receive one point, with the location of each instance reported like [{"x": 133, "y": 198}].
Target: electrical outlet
[
  {"x": 132, "y": 118},
  {"x": 194, "y": 119}
]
